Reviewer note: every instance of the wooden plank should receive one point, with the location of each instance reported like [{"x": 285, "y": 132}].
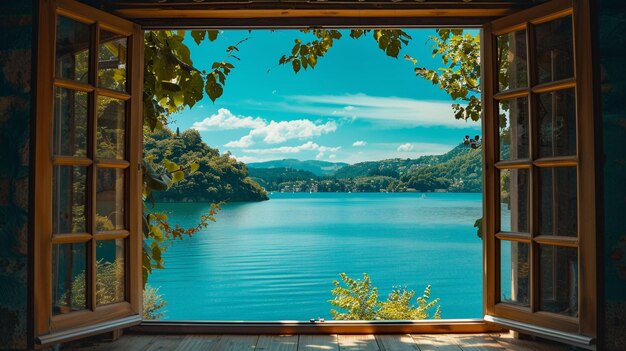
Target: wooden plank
[
  {"x": 476, "y": 342},
  {"x": 165, "y": 343},
  {"x": 235, "y": 343},
  {"x": 197, "y": 342},
  {"x": 126, "y": 342},
  {"x": 512, "y": 344},
  {"x": 357, "y": 343},
  {"x": 308, "y": 342},
  {"x": 396, "y": 342},
  {"x": 277, "y": 343},
  {"x": 169, "y": 14},
  {"x": 435, "y": 342}
]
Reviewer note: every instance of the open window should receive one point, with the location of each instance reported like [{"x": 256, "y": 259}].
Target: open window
[
  {"x": 88, "y": 181},
  {"x": 539, "y": 224},
  {"x": 539, "y": 178}
]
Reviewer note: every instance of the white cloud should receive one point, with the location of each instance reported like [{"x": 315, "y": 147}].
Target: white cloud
[
  {"x": 405, "y": 147},
  {"x": 394, "y": 110},
  {"x": 279, "y": 132},
  {"x": 272, "y": 132},
  {"x": 244, "y": 141},
  {"x": 225, "y": 120},
  {"x": 359, "y": 143},
  {"x": 333, "y": 156},
  {"x": 308, "y": 146},
  {"x": 250, "y": 159}
]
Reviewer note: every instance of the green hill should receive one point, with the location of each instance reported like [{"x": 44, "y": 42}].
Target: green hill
[
  {"x": 396, "y": 167},
  {"x": 459, "y": 170},
  {"x": 220, "y": 177},
  {"x": 270, "y": 178}
]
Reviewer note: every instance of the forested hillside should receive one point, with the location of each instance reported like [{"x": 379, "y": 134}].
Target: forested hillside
[
  {"x": 219, "y": 177},
  {"x": 459, "y": 170}
]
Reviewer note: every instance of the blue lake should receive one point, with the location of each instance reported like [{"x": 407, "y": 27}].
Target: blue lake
[{"x": 276, "y": 260}]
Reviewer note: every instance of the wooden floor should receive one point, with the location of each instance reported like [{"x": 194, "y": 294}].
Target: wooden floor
[{"x": 405, "y": 342}]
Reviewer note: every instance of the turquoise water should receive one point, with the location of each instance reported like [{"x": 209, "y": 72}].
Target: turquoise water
[{"x": 276, "y": 260}]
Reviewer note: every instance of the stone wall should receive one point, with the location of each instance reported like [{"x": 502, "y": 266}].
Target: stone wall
[
  {"x": 611, "y": 21},
  {"x": 16, "y": 43}
]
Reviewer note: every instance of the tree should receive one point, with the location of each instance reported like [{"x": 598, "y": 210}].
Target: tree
[{"x": 358, "y": 300}]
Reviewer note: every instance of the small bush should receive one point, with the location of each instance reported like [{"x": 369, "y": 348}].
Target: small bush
[{"x": 358, "y": 300}]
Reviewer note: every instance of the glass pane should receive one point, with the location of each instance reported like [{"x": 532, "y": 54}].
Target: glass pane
[
  {"x": 512, "y": 64},
  {"x": 110, "y": 271},
  {"x": 70, "y": 122},
  {"x": 69, "y": 288},
  {"x": 554, "y": 52},
  {"x": 69, "y": 199},
  {"x": 558, "y": 214},
  {"x": 557, "y": 123},
  {"x": 559, "y": 280},
  {"x": 513, "y": 126},
  {"x": 111, "y": 128},
  {"x": 110, "y": 199},
  {"x": 514, "y": 272},
  {"x": 514, "y": 203},
  {"x": 112, "y": 61},
  {"x": 72, "y": 49}
]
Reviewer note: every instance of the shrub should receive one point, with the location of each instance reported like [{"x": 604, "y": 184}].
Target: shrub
[{"x": 358, "y": 300}]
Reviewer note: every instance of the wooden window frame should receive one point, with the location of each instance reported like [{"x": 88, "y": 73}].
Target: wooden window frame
[
  {"x": 49, "y": 328},
  {"x": 581, "y": 330},
  {"x": 584, "y": 333},
  {"x": 153, "y": 17}
]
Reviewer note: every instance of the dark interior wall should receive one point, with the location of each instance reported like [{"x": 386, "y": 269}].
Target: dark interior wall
[
  {"x": 16, "y": 43},
  {"x": 611, "y": 21}
]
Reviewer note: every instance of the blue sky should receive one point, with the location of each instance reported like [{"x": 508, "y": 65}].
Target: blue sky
[{"x": 356, "y": 105}]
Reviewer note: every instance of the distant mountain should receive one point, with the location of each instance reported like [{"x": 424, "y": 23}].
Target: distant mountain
[
  {"x": 395, "y": 167},
  {"x": 318, "y": 168},
  {"x": 458, "y": 170}
]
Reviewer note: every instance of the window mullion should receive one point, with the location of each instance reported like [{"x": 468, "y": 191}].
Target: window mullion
[
  {"x": 92, "y": 147},
  {"x": 534, "y": 184}
]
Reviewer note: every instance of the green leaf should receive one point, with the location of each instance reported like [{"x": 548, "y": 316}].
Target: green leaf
[
  {"x": 178, "y": 176},
  {"x": 170, "y": 166},
  {"x": 213, "y": 88},
  {"x": 156, "y": 253},
  {"x": 198, "y": 36},
  {"x": 412, "y": 59},
  {"x": 212, "y": 34},
  {"x": 156, "y": 232},
  {"x": 296, "y": 65},
  {"x": 171, "y": 86},
  {"x": 312, "y": 60},
  {"x": 194, "y": 167}
]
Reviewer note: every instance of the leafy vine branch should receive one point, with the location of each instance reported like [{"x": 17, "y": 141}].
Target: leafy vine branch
[{"x": 172, "y": 83}]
